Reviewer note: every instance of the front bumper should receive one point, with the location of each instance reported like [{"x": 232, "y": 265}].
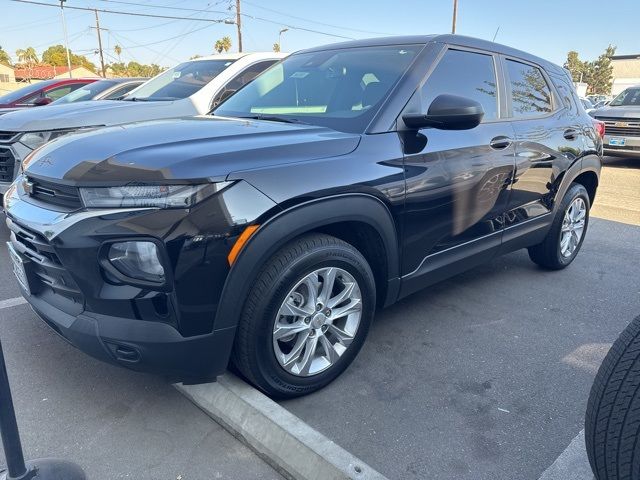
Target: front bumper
[
  {"x": 631, "y": 147},
  {"x": 171, "y": 330},
  {"x": 140, "y": 345}
]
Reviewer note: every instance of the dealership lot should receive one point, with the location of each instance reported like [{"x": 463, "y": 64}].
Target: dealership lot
[{"x": 483, "y": 376}]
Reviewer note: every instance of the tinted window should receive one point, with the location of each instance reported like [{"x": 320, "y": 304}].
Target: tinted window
[
  {"x": 631, "y": 96},
  {"x": 341, "y": 89},
  {"x": 530, "y": 93},
  {"x": 121, "y": 91},
  {"x": 18, "y": 94},
  {"x": 87, "y": 92},
  {"x": 56, "y": 93},
  {"x": 467, "y": 74},
  {"x": 240, "y": 80}
]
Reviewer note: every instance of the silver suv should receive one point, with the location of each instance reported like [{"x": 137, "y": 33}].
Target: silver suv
[{"x": 622, "y": 124}]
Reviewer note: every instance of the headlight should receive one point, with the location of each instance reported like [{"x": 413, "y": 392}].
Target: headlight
[
  {"x": 34, "y": 140},
  {"x": 160, "y": 196},
  {"x": 137, "y": 259}
]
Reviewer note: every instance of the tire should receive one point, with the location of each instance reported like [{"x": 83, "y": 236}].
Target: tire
[
  {"x": 549, "y": 253},
  {"x": 612, "y": 421},
  {"x": 262, "y": 358}
]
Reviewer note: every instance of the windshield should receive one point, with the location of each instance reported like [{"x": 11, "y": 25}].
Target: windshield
[
  {"x": 86, "y": 93},
  {"x": 631, "y": 96},
  {"x": 341, "y": 89},
  {"x": 181, "y": 81},
  {"x": 18, "y": 94}
]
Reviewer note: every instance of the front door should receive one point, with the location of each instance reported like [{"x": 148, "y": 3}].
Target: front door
[{"x": 457, "y": 182}]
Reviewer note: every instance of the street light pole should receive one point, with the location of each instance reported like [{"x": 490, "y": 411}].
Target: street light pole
[
  {"x": 455, "y": 16},
  {"x": 280, "y": 37},
  {"x": 66, "y": 38}
]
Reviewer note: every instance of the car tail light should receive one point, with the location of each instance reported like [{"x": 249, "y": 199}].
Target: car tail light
[{"x": 599, "y": 126}]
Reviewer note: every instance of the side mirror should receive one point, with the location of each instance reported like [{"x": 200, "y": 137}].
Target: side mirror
[
  {"x": 447, "y": 112},
  {"x": 42, "y": 101}
]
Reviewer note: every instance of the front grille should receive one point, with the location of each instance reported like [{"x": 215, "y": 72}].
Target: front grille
[
  {"x": 55, "y": 193},
  {"x": 45, "y": 264},
  {"x": 6, "y": 137},
  {"x": 7, "y": 165},
  {"x": 631, "y": 128}
]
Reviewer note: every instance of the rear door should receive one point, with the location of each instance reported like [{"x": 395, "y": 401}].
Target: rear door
[
  {"x": 548, "y": 139},
  {"x": 457, "y": 181}
]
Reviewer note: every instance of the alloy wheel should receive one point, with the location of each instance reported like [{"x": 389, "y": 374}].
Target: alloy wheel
[
  {"x": 317, "y": 321},
  {"x": 573, "y": 227}
]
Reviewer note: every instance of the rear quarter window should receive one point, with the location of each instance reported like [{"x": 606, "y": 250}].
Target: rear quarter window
[{"x": 530, "y": 93}]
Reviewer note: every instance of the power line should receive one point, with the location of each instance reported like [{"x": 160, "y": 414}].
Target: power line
[
  {"x": 116, "y": 12},
  {"x": 315, "y": 21}
]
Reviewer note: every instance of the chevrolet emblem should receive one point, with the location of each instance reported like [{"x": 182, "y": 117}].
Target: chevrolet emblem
[{"x": 621, "y": 124}]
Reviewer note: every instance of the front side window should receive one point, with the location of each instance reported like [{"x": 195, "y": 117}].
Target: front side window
[
  {"x": 341, "y": 89},
  {"x": 181, "y": 81},
  {"x": 631, "y": 96},
  {"x": 466, "y": 74},
  {"x": 56, "y": 93},
  {"x": 119, "y": 92},
  {"x": 530, "y": 93}
]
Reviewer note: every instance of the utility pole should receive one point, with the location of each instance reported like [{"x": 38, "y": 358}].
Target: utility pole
[
  {"x": 239, "y": 25},
  {"x": 104, "y": 72},
  {"x": 66, "y": 38},
  {"x": 455, "y": 16}
]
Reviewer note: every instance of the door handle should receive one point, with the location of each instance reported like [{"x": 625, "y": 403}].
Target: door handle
[
  {"x": 570, "y": 134},
  {"x": 500, "y": 142}
]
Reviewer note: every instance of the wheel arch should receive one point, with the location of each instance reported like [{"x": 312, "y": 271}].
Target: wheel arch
[
  {"x": 585, "y": 172},
  {"x": 365, "y": 213}
]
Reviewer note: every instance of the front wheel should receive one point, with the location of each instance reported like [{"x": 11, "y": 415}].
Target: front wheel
[
  {"x": 306, "y": 316},
  {"x": 567, "y": 232}
]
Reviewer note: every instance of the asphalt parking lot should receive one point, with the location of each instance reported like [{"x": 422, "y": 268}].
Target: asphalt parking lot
[{"x": 484, "y": 376}]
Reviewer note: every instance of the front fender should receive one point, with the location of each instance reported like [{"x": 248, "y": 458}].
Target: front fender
[{"x": 293, "y": 222}]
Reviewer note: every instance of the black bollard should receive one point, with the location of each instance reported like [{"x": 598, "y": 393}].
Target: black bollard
[{"x": 17, "y": 469}]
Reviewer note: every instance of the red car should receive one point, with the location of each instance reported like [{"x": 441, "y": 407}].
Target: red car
[{"x": 41, "y": 93}]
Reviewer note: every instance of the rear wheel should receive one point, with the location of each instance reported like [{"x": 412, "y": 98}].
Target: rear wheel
[
  {"x": 567, "y": 232},
  {"x": 306, "y": 316}
]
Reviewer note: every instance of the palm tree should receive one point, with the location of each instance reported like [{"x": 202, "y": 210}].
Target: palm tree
[
  {"x": 118, "y": 50},
  {"x": 29, "y": 57},
  {"x": 223, "y": 44},
  {"x": 276, "y": 47}
]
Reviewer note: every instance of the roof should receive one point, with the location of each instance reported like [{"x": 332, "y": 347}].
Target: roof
[
  {"x": 236, "y": 56},
  {"x": 453, "y": 39},
  {"x": 43, "y": 72},
  {"x": 626, "y": 57}
]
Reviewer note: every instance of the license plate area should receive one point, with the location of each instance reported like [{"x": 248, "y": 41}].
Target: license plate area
[
  {"x": 19, "y": 269},
  {"x": 617, "y": 141}
]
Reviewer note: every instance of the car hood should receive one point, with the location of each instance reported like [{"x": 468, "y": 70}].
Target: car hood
[
  {"x": 92, "y": 114},
  {"x": 203, "y": 148},
  {"x": 4, "y": 110},
  {"x": 628, "y": 111}
]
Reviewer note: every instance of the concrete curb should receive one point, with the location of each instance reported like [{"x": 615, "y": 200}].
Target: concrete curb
[
  {"x": 572, "y": 464},
  {"x": 282, "y": 439}
]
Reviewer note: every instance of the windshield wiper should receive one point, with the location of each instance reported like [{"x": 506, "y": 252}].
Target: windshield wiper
[
  {"x": 273, "y": 118},
  {"x": 149, "y": 99}
]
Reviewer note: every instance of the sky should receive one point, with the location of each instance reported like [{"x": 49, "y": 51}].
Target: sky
[{"x": 547, "y": 28}]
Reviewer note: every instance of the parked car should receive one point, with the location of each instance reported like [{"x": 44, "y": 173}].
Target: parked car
[
  {"x": 622, "y": 124},
  {"x": 586, "y": 103},
  {"x": 108, "y": 89},
  {"x": 340, "y": 180},
  {"x": 188, "y": 89},
  {"x": 40, "y": 93},
  {"x": 613, "y": 410}
]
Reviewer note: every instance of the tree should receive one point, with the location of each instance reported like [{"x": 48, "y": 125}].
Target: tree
[
  {"x": 134, "y": 69},
  {"x": 118, "y": 50},
  {"x": 5, "y": 59},
  {"x": 56, "y": 55},
  {"x": 27, "y": 56},
  {"x": 599, "y": 73},
  {"x": 276, "y": 47},
  {"x": 576, "y": 66},
  {"x": 223, "y": 44}
]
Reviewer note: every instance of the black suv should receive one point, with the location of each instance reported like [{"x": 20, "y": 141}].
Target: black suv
[{"x": 341, "y": 180}]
